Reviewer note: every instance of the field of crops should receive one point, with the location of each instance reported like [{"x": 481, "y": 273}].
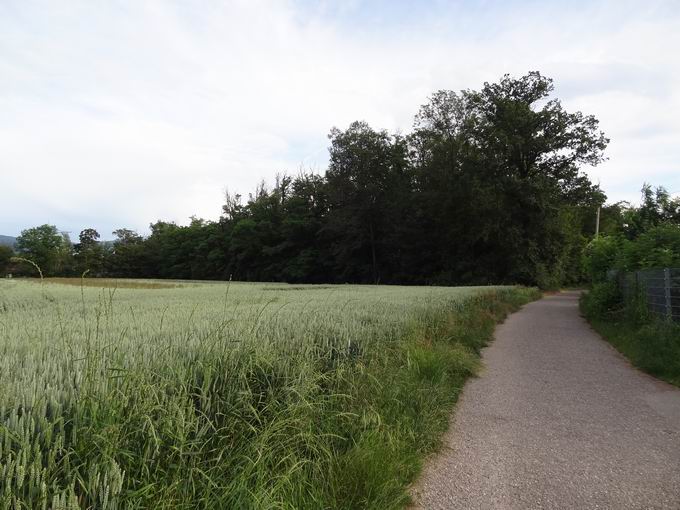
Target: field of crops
[{"x": 215, "y": 395}]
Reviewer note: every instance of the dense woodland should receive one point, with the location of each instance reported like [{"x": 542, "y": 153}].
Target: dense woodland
[{"x": 487, "y": 187}]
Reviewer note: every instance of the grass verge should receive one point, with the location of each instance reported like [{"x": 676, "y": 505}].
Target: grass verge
[
  {"x": 651, "y": 344},
  {"x": 404, "y": 399}
]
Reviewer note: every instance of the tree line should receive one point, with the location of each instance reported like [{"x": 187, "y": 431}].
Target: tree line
[
  {"x": 487, "y": 187},
  {"x": 636, "y": 238}
]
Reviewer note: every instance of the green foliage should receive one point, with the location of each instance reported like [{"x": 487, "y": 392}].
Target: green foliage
[
  {"x": 487, "y": 188},
  {"x": 498, "y": 167},
  {"x": 657, "y": 247},
  {"x": 368, "y": 170},
  {"x": 603, "y": 300},
  {"x": 6, "y": 254},
  {"x": 657, "y": 208},
  {"x": 432, "y": 206},
  {"x": 602, "y": 255},
  {"x": 657, "y": 350},
  {"x": 650, "y": 238},
  {"x": 230, "y": 396},
  {"x": 129, "y": 256},
  {"x": 46, "y": 247},
  {"x": 89, "y": 253}
]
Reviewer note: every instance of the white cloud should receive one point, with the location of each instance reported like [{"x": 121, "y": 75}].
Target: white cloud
[{"x": 119, "y": 114}]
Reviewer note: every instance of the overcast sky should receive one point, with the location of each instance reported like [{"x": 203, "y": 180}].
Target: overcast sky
[{"x": 116, "y": 114}]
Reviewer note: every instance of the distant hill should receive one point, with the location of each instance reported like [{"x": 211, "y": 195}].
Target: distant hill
[{"x": 7, "y": 240}]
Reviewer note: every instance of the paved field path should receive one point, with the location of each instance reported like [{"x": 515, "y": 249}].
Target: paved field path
[{"x": 557, "y": 419}]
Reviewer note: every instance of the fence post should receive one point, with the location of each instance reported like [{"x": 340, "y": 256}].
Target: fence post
[{"x": 667, "y": 292}]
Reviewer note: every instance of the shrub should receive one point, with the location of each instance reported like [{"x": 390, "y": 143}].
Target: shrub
[
  {"x": 603, "y": 299},
  {"x": 600, "y": 256},
  {"x": 659, "y": 350},
  {"x": 658, "y": 247}
]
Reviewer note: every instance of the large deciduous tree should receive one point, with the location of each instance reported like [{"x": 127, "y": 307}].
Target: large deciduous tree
[
  {"x": 129, "y": 256},
  {"x": 89, "y": 253},
  {"x": 497, "y": 168},
  {"x": 46, "y": 247},
  {"x": 365, "y": 172}
]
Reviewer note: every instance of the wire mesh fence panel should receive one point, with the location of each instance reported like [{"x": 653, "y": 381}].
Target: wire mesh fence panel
[
  {"x": 675, "y": 293},
  {"x": 653, "y": 284},
  {"x": 660, "y": 287}
]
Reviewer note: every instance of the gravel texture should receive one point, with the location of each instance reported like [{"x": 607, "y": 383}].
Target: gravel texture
[{"x": 557, "y": 419}]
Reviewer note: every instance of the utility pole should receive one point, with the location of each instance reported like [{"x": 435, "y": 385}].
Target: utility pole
[{"x": 597, "y": 222}]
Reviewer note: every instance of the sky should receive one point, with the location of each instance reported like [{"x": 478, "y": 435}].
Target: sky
[{"x": 120, "y": 113}]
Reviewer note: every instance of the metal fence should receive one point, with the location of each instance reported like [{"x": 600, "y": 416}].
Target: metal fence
[{"x": 661, "y": 288}]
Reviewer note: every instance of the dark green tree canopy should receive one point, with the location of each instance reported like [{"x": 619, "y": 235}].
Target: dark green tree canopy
[
  {"x": 514, "y": 130},
  {"x": 88, "y": 237},
  {"x": 89, "y": 253},
  {"x": 6, "y": 254},
  {"x": 506, "y": 159},
  {"x": 126, "y": 236},
  {"x": 488, "y": 187},
  {"x": 45, "y": 246}
]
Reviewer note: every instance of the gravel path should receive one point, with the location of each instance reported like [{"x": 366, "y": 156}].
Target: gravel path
[{"x": 557, "y": 419}]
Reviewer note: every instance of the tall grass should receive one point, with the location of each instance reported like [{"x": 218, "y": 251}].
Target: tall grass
[{"x": 229, "y": 396}]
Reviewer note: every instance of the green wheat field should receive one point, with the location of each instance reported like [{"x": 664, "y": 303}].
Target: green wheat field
[{"x": 138, "y": 394}]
